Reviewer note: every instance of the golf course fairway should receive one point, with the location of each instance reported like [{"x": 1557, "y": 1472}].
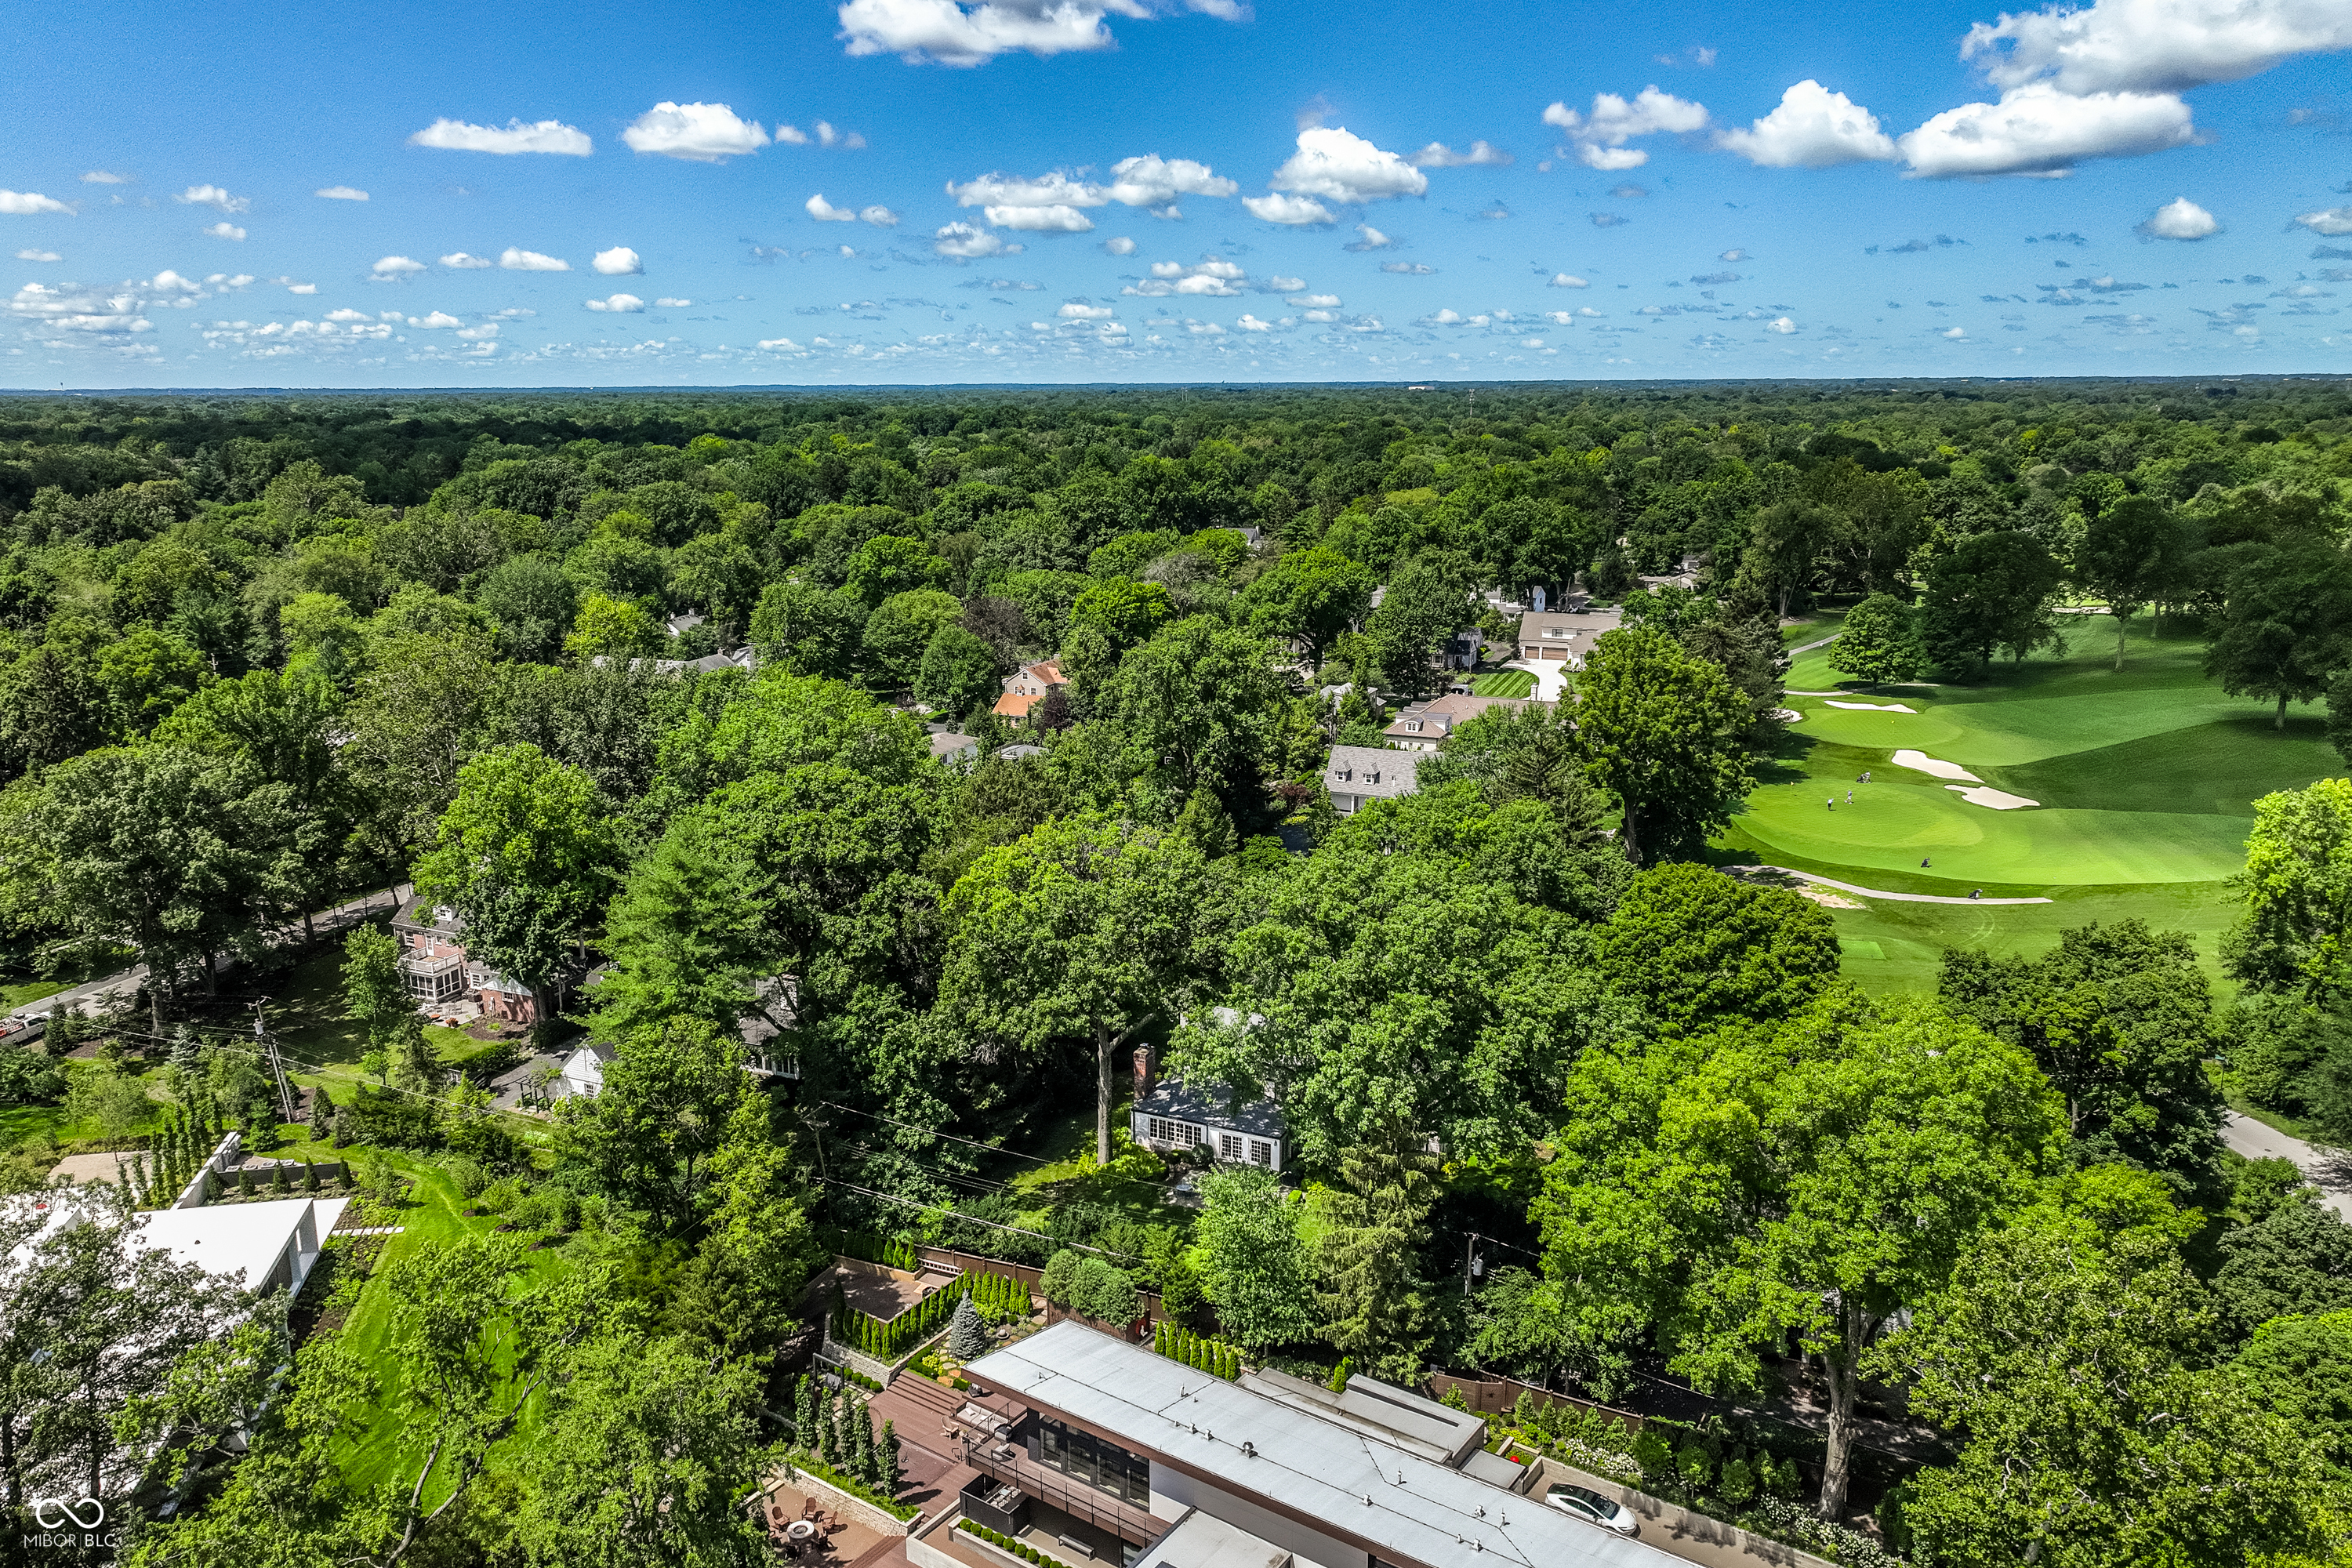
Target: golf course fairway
[{"x": 2145, "y": 780}]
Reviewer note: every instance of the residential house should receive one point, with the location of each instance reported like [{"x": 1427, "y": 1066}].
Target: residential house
[
  {"x": 1423, "y": 726},
  {"x": 1566, "y": 635},
  {"x": 774, "y": 1007},
  {"x": 1173, "y": 1116},
  {"x": 1270, "y": 1471},
  {"x": 956, "y": 751},
  {"x": 435, "y": 970},
  {"x": 1025, "y": 688},
  {"x": 1358, "y": 775}
]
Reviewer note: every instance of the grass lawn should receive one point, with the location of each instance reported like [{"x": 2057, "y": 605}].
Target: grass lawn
[
  {"x": 432, "y": 1214},
  {"x": 2145, "y": 779},
  {"x": 1504, "y": 683}
]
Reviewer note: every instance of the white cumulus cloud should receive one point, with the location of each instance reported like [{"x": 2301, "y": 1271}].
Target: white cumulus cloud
[
  {"x": 396, "y": 267},
  {"x": 667, "y": 303},
  {"x": 1151, "y": 180},
  {"x": 2153, "y": 45},
  {"x": 465, "y": 263},
  {"x": 947, "y": 33},
  {"x": 1076, "y": 310},
  {"x": 2038, "y": 130},
  {"x": 1250, "y": 323},
  {"x": 699, "y": 133},
  {"x": 1601, "y": 134},
  {"x": 2180, "y": 219},
  {"x": 26, "y": 203},
  {"x": 224, "y": 230},
  {"x": 543, "y": 136},
  {"x": 436, "y": 321},
  {"x": 1316, "y": 301},
  {"x": 342, "y": 193},
  {"x": 347, "y": 314},
  {"x": 1438, "y": 155},
  {"x": 1119, "y": 245},
  {"x": 878, "y": 216},
  {"x": 515, "y": 260},
  {"x": 1784, "y": 326},
  {"x": 1335, "y": 163},
  {"x": 966, "y": 242},
  {"x": 618, "y": 262},
  {"x": 214, "y": 196},
  {"x": 1293, "y": 211},
  {"x": 1370, "y": 238},
  {"x": 1567, "y": 280},
  {"x": 2329, "y": 221},
  {"x": 1812, "y": 129},
  {"x": 620, "y": 303},
  {"x": 38, "y": 256},
  {"x": 823, "y": 211},
  {"x": 1057, "y": 218}
]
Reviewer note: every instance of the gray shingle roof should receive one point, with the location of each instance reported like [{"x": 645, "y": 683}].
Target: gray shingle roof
[
  {"x": 1211, "y": 1105},
  {"x": 1350, "y": 771}
]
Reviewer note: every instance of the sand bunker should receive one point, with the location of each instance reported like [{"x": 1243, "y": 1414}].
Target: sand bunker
[
  {"x": 1788, "y": 716},
  {"x": 1876, "y": 707},
  {"x": 1984, "y": 795},
  {"x": 1921, "y": 762}
]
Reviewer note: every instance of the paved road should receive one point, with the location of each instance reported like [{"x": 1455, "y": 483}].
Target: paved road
[
  {"x": 128, "y": 981},
  {"x": 2260, "y": 1141},
  {"x": 1899, "y": 898}
]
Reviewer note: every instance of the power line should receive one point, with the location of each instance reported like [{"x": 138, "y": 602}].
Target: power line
[
  {"x": 974, "y": 1219},
  {"x": 933, "y": 1133}
]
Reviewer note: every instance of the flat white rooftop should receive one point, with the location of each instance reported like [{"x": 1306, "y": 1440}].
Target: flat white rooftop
[
  {"x": 1401, "y": 1506},
  {"x": 222, "y": 1238},
  {"x": 225, "y": 1238}
]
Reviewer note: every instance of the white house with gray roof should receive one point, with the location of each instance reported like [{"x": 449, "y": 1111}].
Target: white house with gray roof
[
  {"x": 1173, "y": 1117},
  {"x": 1358, "y": 775}
]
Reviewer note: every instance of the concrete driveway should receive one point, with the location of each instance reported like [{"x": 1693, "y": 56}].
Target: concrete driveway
[
  {"x": 1551, "y": 676},
  {"x": 2330, "y": 1172}
]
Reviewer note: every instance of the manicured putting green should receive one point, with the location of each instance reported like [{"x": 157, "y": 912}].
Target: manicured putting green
[
  {"x": 2147, "y": 779},
  {"x": 1504, "y": 683}
]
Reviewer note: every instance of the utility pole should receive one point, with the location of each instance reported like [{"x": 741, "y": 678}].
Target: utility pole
[{"x": 278, "y": 1069}]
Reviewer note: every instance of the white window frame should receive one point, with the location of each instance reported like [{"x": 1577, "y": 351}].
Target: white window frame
[
  {"x": 1261, "y": 1153},
  {"x": 1229, "y": 1146}
]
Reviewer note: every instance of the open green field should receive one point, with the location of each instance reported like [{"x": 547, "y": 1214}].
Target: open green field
[
  {"x": 2146, "y": 781},
  {"x": 1504, "y": 683}
]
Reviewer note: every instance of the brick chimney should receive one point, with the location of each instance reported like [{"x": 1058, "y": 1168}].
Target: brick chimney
[{"x": 1142, "y": 1071}]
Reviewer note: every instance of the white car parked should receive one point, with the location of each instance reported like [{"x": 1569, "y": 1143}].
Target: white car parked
[{"x": 1584, "y": 1503}]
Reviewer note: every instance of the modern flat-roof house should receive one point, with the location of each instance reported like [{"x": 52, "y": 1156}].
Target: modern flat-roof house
[
  {"x": 1172, "y": 1116},
  {"x": 1358, "y": 775},
  {"x": 1566, "y": 634},
  {"x": 1423, "y": 726},
  {"x": 1270, "y": 1472},
  {"x": 270, "y": 1245},
  {"x": 436, "y": 972}
]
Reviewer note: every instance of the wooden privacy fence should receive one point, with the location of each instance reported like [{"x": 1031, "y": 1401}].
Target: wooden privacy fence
[{"x": 1485, "y": 1396}]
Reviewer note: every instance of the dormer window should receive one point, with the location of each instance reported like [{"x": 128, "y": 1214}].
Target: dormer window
[{"x": 1373, "y": 776}]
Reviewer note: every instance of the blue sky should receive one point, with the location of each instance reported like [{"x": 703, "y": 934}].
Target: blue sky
[{"x": 923, "y": 191}]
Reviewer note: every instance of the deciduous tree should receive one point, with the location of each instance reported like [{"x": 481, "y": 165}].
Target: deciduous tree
[
  {"x": 1082, "y": 931},
  {"x": 526, "y": 858},
  {"x": 1661, "y": 731},
  {"x": 1812, "y": 1182}
]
